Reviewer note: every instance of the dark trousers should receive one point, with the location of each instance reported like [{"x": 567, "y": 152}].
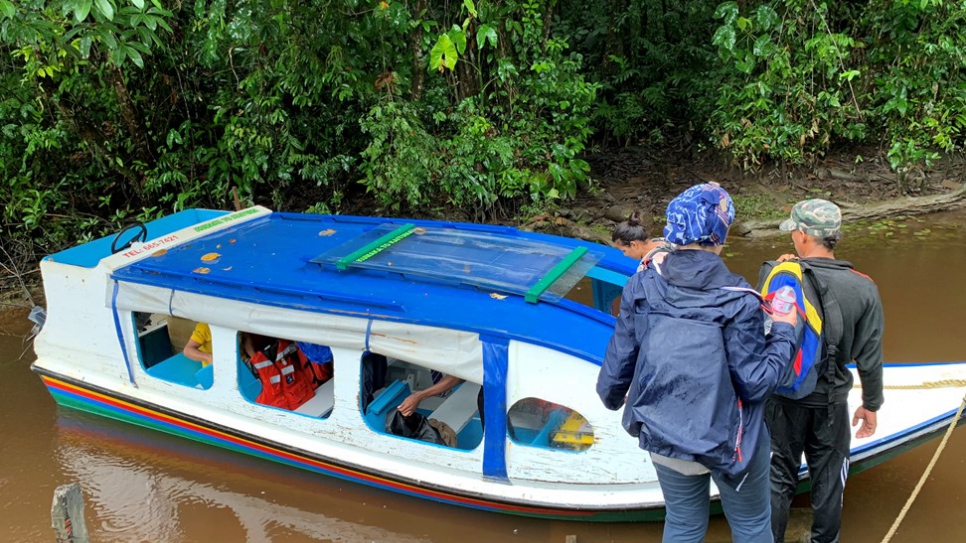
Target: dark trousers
[
  {"x": 374, "y": 367},
  {"x": 823, "y": 434}
]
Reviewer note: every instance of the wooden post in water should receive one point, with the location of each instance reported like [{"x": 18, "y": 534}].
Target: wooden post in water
[{"x": 67, "y": 515}]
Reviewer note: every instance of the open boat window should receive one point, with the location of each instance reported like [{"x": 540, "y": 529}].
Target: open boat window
[
  {"x": 445, "y": 409},
  {"x": 283, "y": 374},
  {"x": 533, "y": 422},
  {"x": 161, "y": 343}
]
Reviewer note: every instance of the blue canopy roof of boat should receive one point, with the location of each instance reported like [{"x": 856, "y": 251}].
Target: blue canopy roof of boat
[{"x": 454, "y": 275}]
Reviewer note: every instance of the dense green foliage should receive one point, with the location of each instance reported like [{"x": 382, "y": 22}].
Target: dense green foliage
[
  {"x": 801, "y": 76},
  {"x": 119, "y": 109}
]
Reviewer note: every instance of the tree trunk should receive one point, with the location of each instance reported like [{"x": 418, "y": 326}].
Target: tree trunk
[
  {"x": 547, "y": 17},
  {"x": 419, "y": 69},
  {"x": 130, "y": 118}
]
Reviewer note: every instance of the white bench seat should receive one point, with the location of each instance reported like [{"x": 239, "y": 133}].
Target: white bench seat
[
  {"x": 458, "y": 408},
  {"x": 321, "y": 403}
]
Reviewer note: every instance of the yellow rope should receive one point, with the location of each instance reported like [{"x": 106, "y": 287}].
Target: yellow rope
[
  {"x": 925, "y": 475},
  {"x": 945, "y": 383}
]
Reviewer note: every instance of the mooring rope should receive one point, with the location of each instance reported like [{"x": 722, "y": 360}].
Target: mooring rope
[
  {"x": 925, "y": 475},
  {"x": 945, "y": 383}
]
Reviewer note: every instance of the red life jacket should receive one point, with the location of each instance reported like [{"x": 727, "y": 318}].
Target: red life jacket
[
  {"x": 315, "y": 374},
  {"x": 271, "y": 379},
  {"x": 284, "y": 384}
]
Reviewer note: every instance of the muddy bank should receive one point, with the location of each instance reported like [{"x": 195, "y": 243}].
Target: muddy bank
[{"x": 640, "y": 179}]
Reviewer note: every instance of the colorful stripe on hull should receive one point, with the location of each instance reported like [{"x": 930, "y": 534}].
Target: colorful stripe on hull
[{"x": 101, "y": 403}]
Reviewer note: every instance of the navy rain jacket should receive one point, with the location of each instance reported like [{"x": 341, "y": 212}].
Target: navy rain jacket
[{"x": 693, "y": 361}]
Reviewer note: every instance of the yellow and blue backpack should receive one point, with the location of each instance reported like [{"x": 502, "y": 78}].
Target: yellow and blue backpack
[{"x": 819, "y": 326}]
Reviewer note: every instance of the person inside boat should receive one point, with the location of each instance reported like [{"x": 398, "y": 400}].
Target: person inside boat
[
  {"x": 692, "y": 367},
  {"x": 441, "y": 385},
  {"x": 631, "y": 238},
  {"x": 374, "y": 367},
  {"x": 198, "y": 347},
  {"x": 249, "y": 344}
]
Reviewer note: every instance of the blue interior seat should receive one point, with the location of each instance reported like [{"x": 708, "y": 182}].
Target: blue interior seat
[{"x": 381, "y": 407}]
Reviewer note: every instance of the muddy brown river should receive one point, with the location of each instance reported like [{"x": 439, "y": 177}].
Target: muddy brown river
[{"x": 144, "y": 486}]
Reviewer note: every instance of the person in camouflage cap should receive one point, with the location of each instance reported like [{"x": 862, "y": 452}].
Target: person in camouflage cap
[
  {"x": 818, "y": 424},
  {"x": 817, "y": 217}
]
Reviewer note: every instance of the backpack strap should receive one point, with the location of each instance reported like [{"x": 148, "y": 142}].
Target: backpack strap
[
  {"x": 654, "y": 258},
  {"x": 834, "y": 325},
  {"x": 753, "y": 292}
]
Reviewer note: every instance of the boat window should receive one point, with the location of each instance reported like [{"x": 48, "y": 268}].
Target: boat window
[
  {"x": 283, "y": 374},
  {"x": 161, "y": 343},
  {"x": 534, "y": 422},
  {"x": 600, "y": 289},
  {"x": 445, "y": 409}
]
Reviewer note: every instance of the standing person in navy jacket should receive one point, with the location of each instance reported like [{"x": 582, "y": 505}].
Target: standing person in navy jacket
[{"x": 691, "y": 364}]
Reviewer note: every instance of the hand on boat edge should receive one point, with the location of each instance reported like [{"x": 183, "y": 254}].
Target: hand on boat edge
[{"x": 869, "y": 422}]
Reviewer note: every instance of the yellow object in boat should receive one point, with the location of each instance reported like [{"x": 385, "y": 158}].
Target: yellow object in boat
[{"x": 575, "y": 433}]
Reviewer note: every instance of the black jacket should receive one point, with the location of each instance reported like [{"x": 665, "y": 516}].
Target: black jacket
[{"x": 861, "y": 342}]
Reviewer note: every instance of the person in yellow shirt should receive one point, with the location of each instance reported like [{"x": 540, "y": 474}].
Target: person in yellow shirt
[{"x": 199, "y": 346}]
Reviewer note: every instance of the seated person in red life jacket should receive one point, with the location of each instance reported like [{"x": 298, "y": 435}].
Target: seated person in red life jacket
[{"x": 199, "y": 346}]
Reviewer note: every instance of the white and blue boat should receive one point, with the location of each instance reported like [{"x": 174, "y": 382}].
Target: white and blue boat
[{"x": 523, "y": 317}]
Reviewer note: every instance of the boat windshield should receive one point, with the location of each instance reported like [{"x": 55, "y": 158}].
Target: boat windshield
[{"x": 534, "y": 269}]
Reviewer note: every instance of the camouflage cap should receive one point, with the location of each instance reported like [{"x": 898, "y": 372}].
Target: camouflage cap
[{"x": 815, "y": 217}]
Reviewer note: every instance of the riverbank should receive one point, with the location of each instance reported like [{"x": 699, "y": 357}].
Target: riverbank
[{"x": 867, "y": 190}]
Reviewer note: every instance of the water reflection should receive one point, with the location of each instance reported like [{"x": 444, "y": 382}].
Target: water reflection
[{"x": 139, "y": 484}]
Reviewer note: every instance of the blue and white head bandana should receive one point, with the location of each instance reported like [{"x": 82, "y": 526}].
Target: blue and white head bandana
[{"x": 701, "y": 214}]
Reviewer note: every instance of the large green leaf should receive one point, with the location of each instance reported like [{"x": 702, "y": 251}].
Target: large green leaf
[
  {"x": 458, "y": 37},
  {"x": 106, "y": 8},
  {"x": 727, "y": 11},
  {"x": 85, "y": 46},
  {"x": 485, "y": 33},
  {"x": 443, "y": 55},
  {"x": 762, "y": 46},
  {"x": 81, "y": 9},
  {"x": 133, "y": 54},
  {"x": 725, "y": 37},
  {"x": 767, "y": 17}
]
